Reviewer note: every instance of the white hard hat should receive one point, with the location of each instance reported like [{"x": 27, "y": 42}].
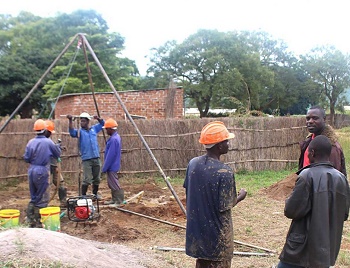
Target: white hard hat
[{"x": 85, "y": 115}]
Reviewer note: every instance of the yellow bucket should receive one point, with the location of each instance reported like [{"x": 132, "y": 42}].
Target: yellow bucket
[
  {"x": 9, "y": 217},
  {"x": 50, "y": 218}
]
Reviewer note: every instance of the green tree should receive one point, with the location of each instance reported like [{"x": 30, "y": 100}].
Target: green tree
[
  {"x": 329, "y": 69},
  {"x": 243, "y": 70},
  {"x": 205, "y": 64},
  {"x": 29, "y": 44}
]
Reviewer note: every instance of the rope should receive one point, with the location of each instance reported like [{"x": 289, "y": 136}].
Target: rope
[{"x": 65, "y": 80}]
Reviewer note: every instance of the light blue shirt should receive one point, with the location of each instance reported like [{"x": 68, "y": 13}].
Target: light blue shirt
[{"x": 88, "y": 143}]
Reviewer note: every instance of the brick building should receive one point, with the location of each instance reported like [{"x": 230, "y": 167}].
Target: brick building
[{"x": 150, "y": 104}]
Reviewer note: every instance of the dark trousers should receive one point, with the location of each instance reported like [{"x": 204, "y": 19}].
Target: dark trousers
[{"x": 201, "y": 263}]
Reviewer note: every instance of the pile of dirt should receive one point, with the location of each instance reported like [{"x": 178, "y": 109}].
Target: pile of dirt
[
  {"x": 35, "y": 244},
  {"x": 281, "y": 189}
]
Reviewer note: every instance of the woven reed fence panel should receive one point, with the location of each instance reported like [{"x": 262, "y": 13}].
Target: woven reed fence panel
[{"x": 260, "y": 144}]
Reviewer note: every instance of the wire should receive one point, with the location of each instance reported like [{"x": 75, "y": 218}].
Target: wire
[{"x": 65, "y": 80}]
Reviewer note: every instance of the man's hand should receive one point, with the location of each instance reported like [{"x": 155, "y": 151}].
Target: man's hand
[
  {"x": 70, "y": 117},
  {"x": 241, "y": 195},
  {"x": 97, "y": 118}
]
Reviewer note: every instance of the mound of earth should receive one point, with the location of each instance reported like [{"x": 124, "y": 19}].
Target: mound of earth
[
  {"x": 28, "y": 245},
  {"x": 283, "y": 188}
]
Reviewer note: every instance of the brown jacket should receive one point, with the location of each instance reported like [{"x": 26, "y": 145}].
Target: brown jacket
[{"x": 337, "y": 156}]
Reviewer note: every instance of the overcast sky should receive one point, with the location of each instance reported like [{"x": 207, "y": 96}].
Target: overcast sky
[{"x": 302, "y": 24}]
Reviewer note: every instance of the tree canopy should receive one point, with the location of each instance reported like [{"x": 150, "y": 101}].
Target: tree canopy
[
  {"x": 247, "y": 71},
  {"x": 29, "y": 44},
  {"x": 329, "y": 69},
  {"x": 243, "y": 70}
]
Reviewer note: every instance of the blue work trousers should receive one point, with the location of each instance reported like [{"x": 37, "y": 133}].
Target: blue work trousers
[{"x": 39, "y": 185}]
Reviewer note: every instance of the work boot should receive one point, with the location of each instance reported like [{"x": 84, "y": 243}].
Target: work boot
[
  {"x": 114, "y": 198},
  {"x": 84, "y": 189},
  {"x": 62, "y": 194},
  {"x": 37, "y": 218},
  {"x": 30, "y": 215},
  {"x": 95, "y": 192},
  {"x": 119, "y": 197}
]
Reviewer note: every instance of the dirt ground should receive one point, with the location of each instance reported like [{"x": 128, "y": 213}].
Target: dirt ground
[{"x": 123, "y": 239}]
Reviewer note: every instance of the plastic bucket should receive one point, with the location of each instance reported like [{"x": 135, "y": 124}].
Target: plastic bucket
[
  {"x": 50, "y": 218},
  {"x": 9, "y": 217}
]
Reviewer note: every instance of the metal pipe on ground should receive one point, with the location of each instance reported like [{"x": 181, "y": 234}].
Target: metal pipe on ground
[
  {"x": 183, "y": 227},
  {"x": 145, "y": 216},
  {"x": 240, "y": 253}
]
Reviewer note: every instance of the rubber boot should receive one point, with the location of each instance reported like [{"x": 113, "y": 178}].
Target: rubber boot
[
  {"x": 84, "y": 189},
  {"x": 95, "y": 192},
  {"x": 30, "y": 215},
  {"x": 37, "y": 217},
  {"x": 119, "y": 196},
  {"x": 111, "y": 202},
  {"x": 62, "y": 194}
]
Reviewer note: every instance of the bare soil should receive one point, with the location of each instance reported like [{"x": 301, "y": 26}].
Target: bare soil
[{"x": 122, "y": 239}]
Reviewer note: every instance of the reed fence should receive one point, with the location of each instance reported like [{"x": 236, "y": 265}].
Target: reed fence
[{"x": 260, "y": 144}]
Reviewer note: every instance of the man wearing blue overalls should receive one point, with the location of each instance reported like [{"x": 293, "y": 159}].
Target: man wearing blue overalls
[{"x": 38, "y": 152}]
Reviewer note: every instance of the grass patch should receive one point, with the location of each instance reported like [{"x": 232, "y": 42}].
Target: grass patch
[
  {"x": 344, "y": 140},
  {"x": 256, "y": 180},
  {"x": 252, "y": 181}
]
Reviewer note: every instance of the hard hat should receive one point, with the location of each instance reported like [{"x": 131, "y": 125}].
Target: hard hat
[
  {"x": 85, "y": 115},
  {"x": 50, "y": 126},
  {"x": 110, "y": 123},
  {"x": 213, "y": 133},
  {"x": 39, "y": 125}
]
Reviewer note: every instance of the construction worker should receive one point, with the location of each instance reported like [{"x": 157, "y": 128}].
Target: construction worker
[
  {"x": 89, "y": 151},
  {"x": 210, "y": 196},
  {"x": 38, "y": 152},
  {"x": 54, "y": 169},
  {"x": 111, "y": 164}
]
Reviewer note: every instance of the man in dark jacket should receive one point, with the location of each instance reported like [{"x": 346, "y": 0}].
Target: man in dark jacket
[
  {"x": 316, "y": 124},
  {"x": 318, "y": 207}
]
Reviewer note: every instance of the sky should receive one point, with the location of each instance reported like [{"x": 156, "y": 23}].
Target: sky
[{"x": 145, "y": 24}]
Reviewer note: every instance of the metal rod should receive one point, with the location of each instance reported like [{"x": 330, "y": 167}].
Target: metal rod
[
  {"x": 183, "y": 227},
  {"x": 145, "y": 216},
  {"x": 91, "y": 84},
  {"x": 38, "y": 83},
  {"x": 234, "y": 253},
  {"x": 252, "y": 246},
  {"x": 133, "y": 123}
]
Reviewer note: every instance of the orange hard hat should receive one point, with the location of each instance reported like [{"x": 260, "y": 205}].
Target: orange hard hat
[
  {"x": 39, "y": 125},
  {"x": 214, "y": 132},
  {"x": 50, "y": 126},
  {"x": 110, "y": 123}
]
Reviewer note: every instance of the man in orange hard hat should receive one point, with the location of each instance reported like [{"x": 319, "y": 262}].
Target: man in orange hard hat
[
  {"x": 210, "y": 196},
  {"x": 54, "y": 165},
  {"x": 38, "y": 153},
  {"x": 111, "y": 164},
  {"x": 50, "y": 129}
]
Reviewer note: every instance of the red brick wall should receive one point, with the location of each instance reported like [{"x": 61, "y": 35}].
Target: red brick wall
[{"x": 148, "y": 103}]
